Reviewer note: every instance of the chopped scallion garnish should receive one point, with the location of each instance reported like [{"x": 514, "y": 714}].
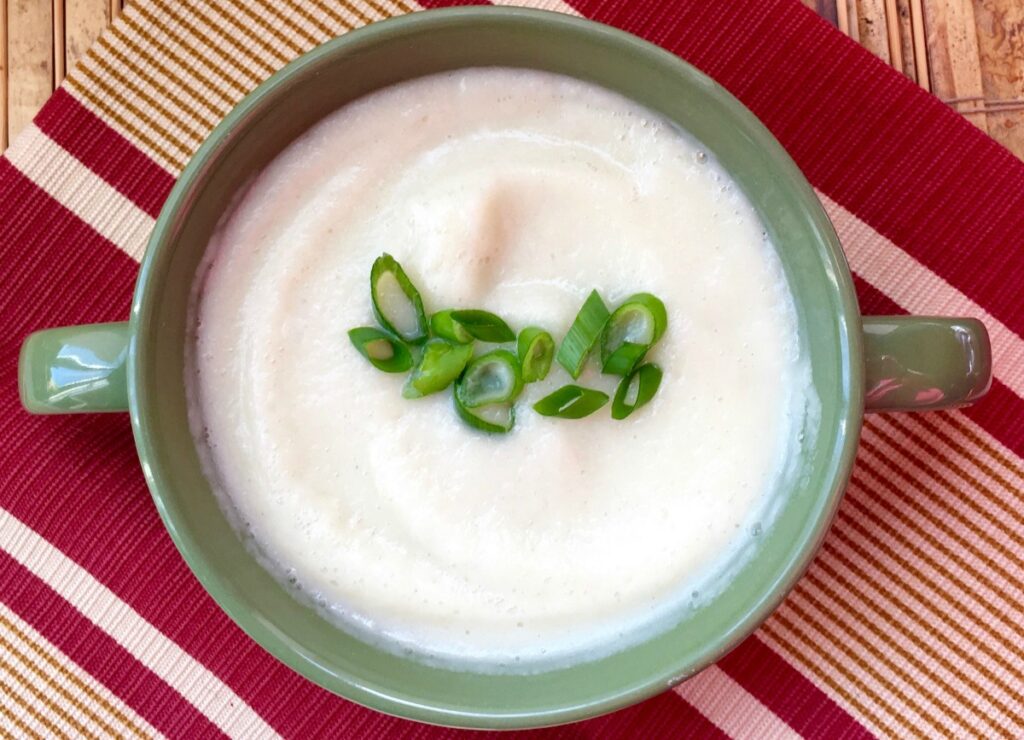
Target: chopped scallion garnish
[
  {"x": 443, "y": 325},
  {"x": 633, "y": 328},
  {"x": 583, "y": 334},
  {"x": 483, "y": 325},
  {"x": 384, "y": 351},
  {"x": 536, "y": 350},
  {"x": 442, "y": 362},
  {"x": 491, "y": 378},
  {"x": 396, "y": 302},
  {"x": 635, "y": 390},
  {"x": 571, "y": 402},
  {"x": 497, "y": 418}
]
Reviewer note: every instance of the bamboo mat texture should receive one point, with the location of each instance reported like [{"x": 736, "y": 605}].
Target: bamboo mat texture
[{"x": 968, "y": 52}]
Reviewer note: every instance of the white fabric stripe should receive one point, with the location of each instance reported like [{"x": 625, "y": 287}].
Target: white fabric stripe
[
  {"x": 153, "y": 649},
  {"x": 82, "y": 695},
  {"x": 733, "y": 709},
  {"x": 47, "y": 164},
  {"x": 918, "y": 290}
]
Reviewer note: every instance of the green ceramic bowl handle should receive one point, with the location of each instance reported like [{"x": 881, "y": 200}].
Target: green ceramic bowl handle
[
  {"x": 75, "y": 369},
  {"x": 919, "y": 363}
]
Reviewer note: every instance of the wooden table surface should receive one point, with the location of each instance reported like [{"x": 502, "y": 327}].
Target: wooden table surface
[{"x": 968, "y": 52}]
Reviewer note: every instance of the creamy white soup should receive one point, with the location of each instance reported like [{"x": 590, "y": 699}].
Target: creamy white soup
[{"x": 517, "y": 192}]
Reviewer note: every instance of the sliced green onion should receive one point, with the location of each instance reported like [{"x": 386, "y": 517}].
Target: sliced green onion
[
  {"x": 624, "y": 359},
  {"x": 497, "y": 418},
  {"x": 633, "y": 328},
  {"x": 583, "y": 333},
  {"x": 536, "y": 350},
  {"x": 635, "y": 390},
  {"x": 441, "y": 364},
  {"x": 571, "y": 402},
  {"x": 384, "y": 351},
  {"x": 396, "y": 302},
  {"x": 484, "y": 325},
  {"x": 443, "y": 325},
  {"x": 491, "y": 378}
]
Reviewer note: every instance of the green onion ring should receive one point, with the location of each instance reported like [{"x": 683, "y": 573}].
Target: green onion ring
[
  {"x": 484, "y": 325},
  {"x": 441, "y": 364},
  {"x": 387, "y": 278},
  {"x": 498, "y": 418},
  {"x": 571, "y": 402},
  {"x": 633, "y": 328},
  {"x": 647, "y": 380},
  {"x": 491, "y": 378},
  {"x": 583, "y": 334},
  {"x": 536, "y": 350},
  {"x": 385, "y": 351},
  {"x": 443, "y": 325}
]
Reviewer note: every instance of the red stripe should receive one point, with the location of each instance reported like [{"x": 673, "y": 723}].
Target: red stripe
[
  {"x": 788, "y": 693},
  {"x": 876, "y": 143},
  {"x": 99, "y": 654},
  {"x": 104, "y": 151},
  {"x": 999, "y": 413}
]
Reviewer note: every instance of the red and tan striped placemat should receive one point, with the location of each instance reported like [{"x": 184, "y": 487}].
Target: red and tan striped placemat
[{"x": 907, "y": 624}]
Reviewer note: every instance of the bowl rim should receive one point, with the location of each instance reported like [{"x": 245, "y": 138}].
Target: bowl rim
[{"x": 147, "y": 438}]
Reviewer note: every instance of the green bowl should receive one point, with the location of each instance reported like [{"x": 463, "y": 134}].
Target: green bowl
[{"x": 411, "y": 46}]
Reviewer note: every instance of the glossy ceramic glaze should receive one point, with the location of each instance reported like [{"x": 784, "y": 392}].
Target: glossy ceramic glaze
[{"x": 384, "y": 53}]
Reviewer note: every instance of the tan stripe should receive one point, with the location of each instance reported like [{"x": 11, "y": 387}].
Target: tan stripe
[
  {"x": 150, "y": 17},
  {"x": 44, "y": 700},
  {"x": 130, "y": 42},
  {"x": 210, "y": 85},
  {"x": 17, "y": 722},
  {"x": 107, "y": 110},
  {"x": 827, "y": 656},
  {"x": 109, "y": 106},
  {"x": 929, "y": 422},
  {"x": 955, "y": 419},
  {"x": 32, "y": 708},
  {"x": 935, "y": 521},
  {"x": 283, "y": 38},
  {"x": 211, "y": 45},
  {"x": 49, "y": 681},
  {"x": 897, "y": 692},
  {"x": 849, "y": 610},
  {"x": 313, "y": 19},
  {"x": 872, "y": 717},
  {"x": 60, "y": 668},
  {"x": 188, "y": 128},
  {"x": 404, "y": 6},
  {"x": 274, "y": 10},
  {"x": 340, "y": 20},
  {"x": 915, "y": 619},
  {"x": 974, "y": 484},
  {"x": 947, "y": 575},
  {"x": 380, "y": 9},
  {"x": 232, "y": 21}
]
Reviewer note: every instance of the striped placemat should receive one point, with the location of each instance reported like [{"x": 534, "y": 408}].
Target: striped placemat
[{"x": 907, "y": 624}]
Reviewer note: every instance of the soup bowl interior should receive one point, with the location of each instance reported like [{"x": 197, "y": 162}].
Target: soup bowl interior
[{"x": 400, "y": 49}]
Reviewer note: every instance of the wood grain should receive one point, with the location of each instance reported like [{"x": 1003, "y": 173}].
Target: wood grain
[
  {"x": 872, "y": 28},
  {"x": 85, "y": 21},
  {"x": 58, "y": 42},
  {"x": 906, "y": 38},
  {"x": 3, "y": 75},
  {"x": 1000, "y": 25},
  {"x": 29, "y": 60},
  {"x": 955, "y": 63}
]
